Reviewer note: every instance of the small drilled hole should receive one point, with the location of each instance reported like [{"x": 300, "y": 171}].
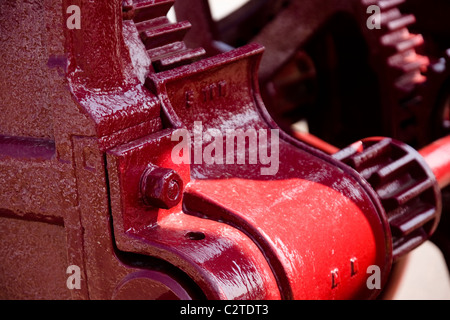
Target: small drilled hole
[{"x": 195, "y": 235}]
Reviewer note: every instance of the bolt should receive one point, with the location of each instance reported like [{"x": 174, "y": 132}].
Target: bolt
[{"x": 161, "y": 187}]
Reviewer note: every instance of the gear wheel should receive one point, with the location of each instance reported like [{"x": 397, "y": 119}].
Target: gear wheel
[
  {"x": 437, "y": 94},
  {"x": 322, "y": 63},
  {"x": 162, "y": 39}
]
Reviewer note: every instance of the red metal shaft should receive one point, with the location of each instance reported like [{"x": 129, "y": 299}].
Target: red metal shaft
[
  {"x": 316, "y": 142},
  {"x": 437, "y": 155}
]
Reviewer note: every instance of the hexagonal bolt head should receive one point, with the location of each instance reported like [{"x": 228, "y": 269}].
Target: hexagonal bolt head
[{"x": 161, "y": 187}]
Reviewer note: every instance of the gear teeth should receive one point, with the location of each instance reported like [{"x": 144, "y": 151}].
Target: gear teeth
[
  {"x": 401, "y": 41},
  {"x": 404, "y": 194},
  {"x": 152, "y": 24},
  {"x": 410, "y": 65},
  {"x": 162, "y": 38},
  {"x": 148, "y": 10},
  {"x": 405, "y": 244},
  {"x": 361, "y": 160},
  {"x": 402, "y": 226},
  {"x": 177, "y": 59},
  {"x": 391, "y": 15},
  {"x": 407, "y": 66},
  {"x": 389, "y": 4},
  {"x": 388, "y": 171},
  {"x": 166, "y": 50},
  {"x": 383, "y": 4},
  {"x": 406, "y": 187}
]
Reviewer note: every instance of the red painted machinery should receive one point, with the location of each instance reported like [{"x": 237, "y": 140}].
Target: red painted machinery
[{"x": 87, "y": 176}]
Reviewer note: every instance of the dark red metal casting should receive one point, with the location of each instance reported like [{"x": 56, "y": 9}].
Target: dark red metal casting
[
  {"x": 437, "y": 156},
  {"x": 87, "y": 176}
]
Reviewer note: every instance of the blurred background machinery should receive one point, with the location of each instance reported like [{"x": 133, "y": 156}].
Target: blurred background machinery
[{"x": 327, "y": 74}]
